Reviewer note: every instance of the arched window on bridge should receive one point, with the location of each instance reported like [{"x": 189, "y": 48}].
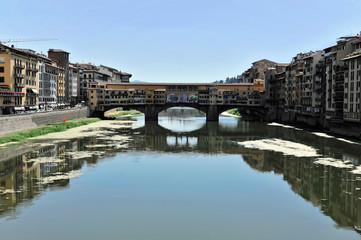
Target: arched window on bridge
[
  {"x": 182, "y": 98},
  {"x": 193, "y": 98},
  {"x": 171, "y": 97}
]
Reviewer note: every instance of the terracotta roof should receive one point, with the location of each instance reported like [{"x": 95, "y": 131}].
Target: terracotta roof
[{"x": 57, "y": 50}]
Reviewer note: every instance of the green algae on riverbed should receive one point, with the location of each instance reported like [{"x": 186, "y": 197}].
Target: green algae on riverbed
[{"x": 50, "y": 128}]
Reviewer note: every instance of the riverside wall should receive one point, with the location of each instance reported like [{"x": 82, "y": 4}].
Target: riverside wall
[
  {"x": 14, "y": 123},
  {"x": 342, "y": 128}
]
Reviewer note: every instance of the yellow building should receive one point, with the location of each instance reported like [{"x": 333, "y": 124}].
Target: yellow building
[
  {"x": 18, "y": 79},
  {"x": 61, "y": 86}
]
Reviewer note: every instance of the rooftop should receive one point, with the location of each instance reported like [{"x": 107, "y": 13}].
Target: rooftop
[
  {"x": 263, "y": 60},
  {"x": 126, "y": 74},
  {"x": 57, "y": 50}
]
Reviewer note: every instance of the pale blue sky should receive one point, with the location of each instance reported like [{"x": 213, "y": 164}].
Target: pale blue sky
[{"x": 180, "y": 41}]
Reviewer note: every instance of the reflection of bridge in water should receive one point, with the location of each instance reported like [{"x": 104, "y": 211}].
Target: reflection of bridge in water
[
  {"x": 210, "y": 138},
  {"x": 152, "y": 98}
]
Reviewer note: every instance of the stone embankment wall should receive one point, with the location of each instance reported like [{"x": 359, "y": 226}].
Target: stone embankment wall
[
  {"x": 14, "y": 123},
  {"x": 347, "y": 129}
]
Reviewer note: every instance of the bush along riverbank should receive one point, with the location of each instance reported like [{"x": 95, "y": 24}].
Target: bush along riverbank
[
  {"x": 234, "y": 111},
  {"x": 50, "y": 128}
]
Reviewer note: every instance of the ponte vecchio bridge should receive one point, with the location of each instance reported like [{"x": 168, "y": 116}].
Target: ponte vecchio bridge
[{"x": 152, "y": 98}]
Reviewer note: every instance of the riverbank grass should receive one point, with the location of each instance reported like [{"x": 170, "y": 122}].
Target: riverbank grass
[
  {"x": 50, "y": 128},
  {"x": 234, "y": 111},
  {"x": 119, "y": 112}
]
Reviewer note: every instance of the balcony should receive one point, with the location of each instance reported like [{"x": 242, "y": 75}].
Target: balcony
[
  {"x": 340, "y": 69},
  {"x": 33, "y": 69},
  {"x": 19, "y": 75},
  {"x": 19, "y": 66},
  {"x": 20, "y": 85},
  {"x": 11, "y": 94}
]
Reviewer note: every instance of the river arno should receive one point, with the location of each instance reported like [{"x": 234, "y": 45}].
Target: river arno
[{"x": 183, "y": 178}]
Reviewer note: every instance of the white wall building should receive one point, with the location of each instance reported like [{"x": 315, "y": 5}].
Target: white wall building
[{"x": 48, "y": 78}]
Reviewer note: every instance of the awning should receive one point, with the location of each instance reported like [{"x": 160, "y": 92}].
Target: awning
[{"x": 31, "y": 91}]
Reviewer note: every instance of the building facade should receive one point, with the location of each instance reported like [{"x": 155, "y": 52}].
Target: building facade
[
  {"x": 352, "y": 89},
  {"x": 62, "y": 58},
  {"x": 48, "y": 80},
  {"x": 335, "y": 77},
  {"x": 88, "y": 76},
  {"x": 18, "y": 79},
  {"x": 74, "y": 82}
]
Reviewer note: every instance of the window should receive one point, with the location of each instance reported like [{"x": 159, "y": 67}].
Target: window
[
  {"x": 2, "y": 79},
  {"x": 1, "y": 69}
]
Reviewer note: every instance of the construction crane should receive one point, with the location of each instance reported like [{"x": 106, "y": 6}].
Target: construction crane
[{"x": 26, "y": 40}]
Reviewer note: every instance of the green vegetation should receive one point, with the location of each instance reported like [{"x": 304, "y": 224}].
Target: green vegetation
[
  {"x": 228, "y": 80},
  {"x": 119, "y": 112},
  {"x": 234, "y": 111},
  {"x": 50, "y": 128},
  {"x": 357, "y": 52}
]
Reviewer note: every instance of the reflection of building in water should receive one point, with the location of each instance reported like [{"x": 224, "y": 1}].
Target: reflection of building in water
[
  {"x": 348, "y": 157},
  {"x": 20, "y": 176},
  {"x": 335, "y": 190},
  {"x": 254, "y": 157},
  {"x": 17, "y": 177}
]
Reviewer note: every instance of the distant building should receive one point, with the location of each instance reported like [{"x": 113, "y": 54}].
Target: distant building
[
  {"x": 74, "y": 84},
  {"x": 126, "y": 77},
  {"x": 87, "y": 77},
  {"x": 115, "y": 75},
  {"x": 62, "y": 57},
  {"x": 86, "y": 66},
  {"x": 257, "y": 71}
]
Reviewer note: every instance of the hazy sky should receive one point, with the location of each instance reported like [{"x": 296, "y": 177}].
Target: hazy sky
[{"x": 181, "y": 40}]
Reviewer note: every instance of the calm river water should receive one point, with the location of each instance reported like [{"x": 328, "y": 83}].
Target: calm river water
[{"x": 183, "y": 179}]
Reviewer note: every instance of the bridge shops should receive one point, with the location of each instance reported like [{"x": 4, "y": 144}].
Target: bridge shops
[{"x": 154, "y": 97}]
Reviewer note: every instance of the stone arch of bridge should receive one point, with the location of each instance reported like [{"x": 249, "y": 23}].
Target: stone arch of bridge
[{"x": 212, "y": 112}]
